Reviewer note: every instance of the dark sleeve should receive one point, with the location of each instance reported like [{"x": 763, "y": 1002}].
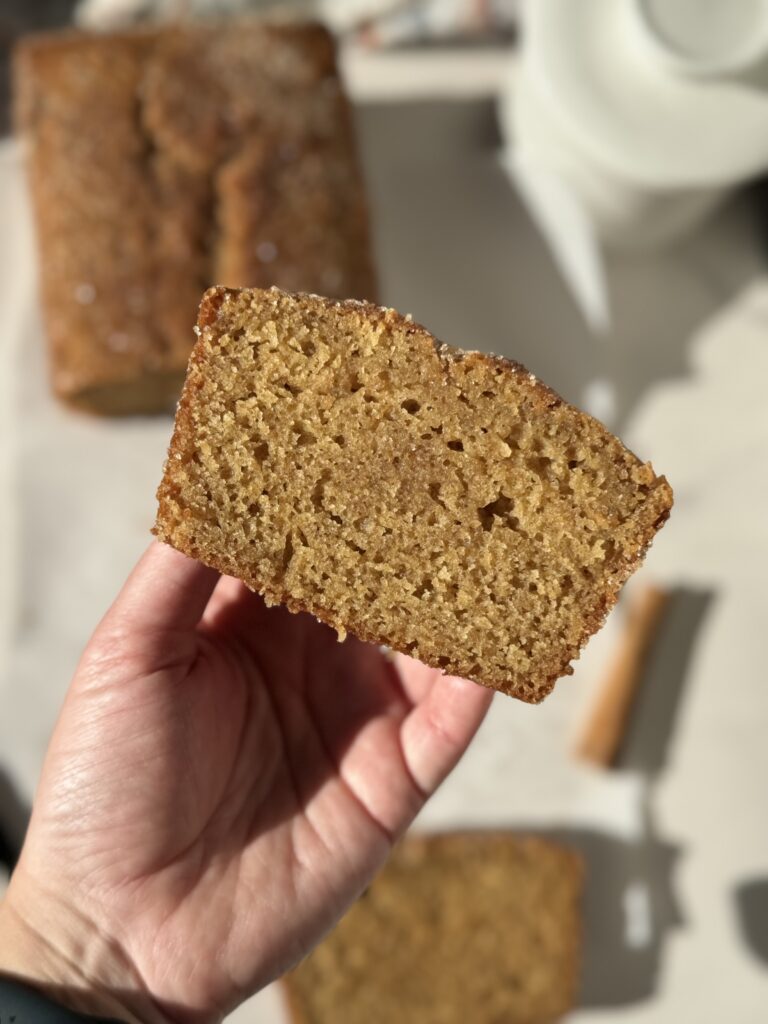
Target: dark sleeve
[{"x": 22, "y": 1004}]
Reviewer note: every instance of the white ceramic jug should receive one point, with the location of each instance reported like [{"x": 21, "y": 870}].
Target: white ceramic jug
[{"x": 649, "y": 112}]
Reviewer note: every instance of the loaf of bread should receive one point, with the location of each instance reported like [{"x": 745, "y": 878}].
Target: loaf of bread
[
  {"x": 166, "y": 160},
  {"x": 341, "y": 461},
  {"x": 480, "y": 928}
]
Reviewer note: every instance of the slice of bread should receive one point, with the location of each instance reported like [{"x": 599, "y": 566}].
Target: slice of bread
[
  {"x": 340, "y": 460},
  {"x": 479, "y": 928}
]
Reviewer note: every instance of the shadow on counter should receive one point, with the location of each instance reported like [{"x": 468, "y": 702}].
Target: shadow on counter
[
  {"x": 457, "y": 248},
  {"x": 630, "y": 903},
  {"x": 656, "y": 710},
  {"x": 629, "y": 911},
  {"x": 14, "y": 816},
  {"x": 751, "y": 900}
]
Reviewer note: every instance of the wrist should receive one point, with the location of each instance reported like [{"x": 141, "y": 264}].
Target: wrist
[{"x": 65, "y": 957}]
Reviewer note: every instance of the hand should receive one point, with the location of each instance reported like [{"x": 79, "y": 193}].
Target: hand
[{"x": 224, "y": 779}]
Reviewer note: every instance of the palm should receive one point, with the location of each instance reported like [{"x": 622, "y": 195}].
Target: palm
[{"x": 218, "y": 791}]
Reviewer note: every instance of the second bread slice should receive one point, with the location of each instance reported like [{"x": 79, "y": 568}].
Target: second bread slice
[
  {"x": 464, "y": 928},
  {"x": 340, "y": 460}
]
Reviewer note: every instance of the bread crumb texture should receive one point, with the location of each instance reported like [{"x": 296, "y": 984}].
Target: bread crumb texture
[
  {"x": 339, "y": 460},
  {"x": 456, "y": 929}
]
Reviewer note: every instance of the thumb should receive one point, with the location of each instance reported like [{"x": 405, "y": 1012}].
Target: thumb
[
  {"x": 166, "y": 590},
  {"x": 158, "y": 608}
]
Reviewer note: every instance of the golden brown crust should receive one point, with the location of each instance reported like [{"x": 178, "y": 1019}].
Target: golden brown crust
[
  {"x": 638, "y": 530},
  {"x": 207, "y": 153}
]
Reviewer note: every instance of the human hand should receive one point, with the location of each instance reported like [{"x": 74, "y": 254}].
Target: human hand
[{"x": 224, "y": 779}]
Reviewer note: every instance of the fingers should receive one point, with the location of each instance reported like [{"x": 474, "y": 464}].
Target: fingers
[
  {"x": 165, "y": 592},
  {"x": 227, "y": 596},
  {"x": 416, "y": 678},
  {"x": 438, "y": 730}
]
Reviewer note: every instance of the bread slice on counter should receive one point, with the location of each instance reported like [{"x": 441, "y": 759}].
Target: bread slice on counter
[
  {"x": 340, "y": 460},
  {"x": 479, "y": 928}
]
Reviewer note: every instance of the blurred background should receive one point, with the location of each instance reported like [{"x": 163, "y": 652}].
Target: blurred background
[{"x": 580, "y": 187}]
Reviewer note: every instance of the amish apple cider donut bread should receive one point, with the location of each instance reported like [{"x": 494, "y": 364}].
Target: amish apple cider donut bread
[
  {"x": 163, "y": 160},
  {"x": 457, "y": 929},
  {"x": 340, "y": 460}
]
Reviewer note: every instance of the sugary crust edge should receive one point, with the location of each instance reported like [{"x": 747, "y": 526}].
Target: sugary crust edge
[
  {"x": 210, "y": 309},
  {"x": 52, "y": 39},
  {"x": 428, "y": 841}
]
